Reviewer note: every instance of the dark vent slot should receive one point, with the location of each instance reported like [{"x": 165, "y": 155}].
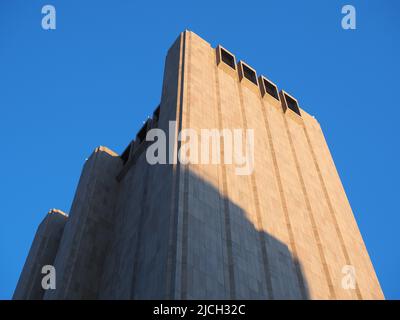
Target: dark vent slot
[
  {"x": 292, "y": 104},
  {"x": 271, "y": 89},
  {"x": 249, "y": 74},
  {"x": 227, "y": 58}
]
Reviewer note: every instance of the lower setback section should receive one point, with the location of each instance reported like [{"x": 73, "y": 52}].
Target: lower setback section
[{"x": 43, "y": 252}]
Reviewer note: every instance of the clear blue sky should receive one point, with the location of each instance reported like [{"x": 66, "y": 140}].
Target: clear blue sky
[{"x": 94, "y": 79}]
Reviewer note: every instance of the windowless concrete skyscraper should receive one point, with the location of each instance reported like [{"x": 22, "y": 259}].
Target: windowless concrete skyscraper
[{"x": 183, "y": 231}]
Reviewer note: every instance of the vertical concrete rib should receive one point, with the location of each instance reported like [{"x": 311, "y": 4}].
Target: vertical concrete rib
[
  {"x": 225, "y": 197},
  {"x": 173, "y": 226},
  {"x": 143, "y": 211},
  {"x": 282, "y": 197},
  {"x": 186, "y": 169},
  {"x": 310, "y": 213},
  {"x": 89, "y": 230},
  {"x": 331, "y": 210},
  {"x": 262, "y": 240}
]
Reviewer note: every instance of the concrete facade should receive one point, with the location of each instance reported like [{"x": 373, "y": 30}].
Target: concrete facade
[
  {"x": 200, "y": 231},
  {"x": 42, "y": 253}
]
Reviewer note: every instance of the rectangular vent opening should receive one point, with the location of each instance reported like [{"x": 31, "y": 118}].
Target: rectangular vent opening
[
  {"x": 271, "y": 89},
  {"x": 249, "y": 74},
  {"x": 292, "y": 104},
  {"x": 125, "y": 155},
  {"x": 227, "y": 58}
]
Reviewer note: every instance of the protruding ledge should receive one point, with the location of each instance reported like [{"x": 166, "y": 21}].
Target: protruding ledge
[
  {"x": 57, "y": 212},
  {"x": 226, "y": 60},
  {"x": 107, "y": 150},
  {"x": 290, "y": 105},
  {"x": 248, "y": 76}
]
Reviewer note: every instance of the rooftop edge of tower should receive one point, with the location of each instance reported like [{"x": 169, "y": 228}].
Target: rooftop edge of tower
[{"x": 220, "y": 47}]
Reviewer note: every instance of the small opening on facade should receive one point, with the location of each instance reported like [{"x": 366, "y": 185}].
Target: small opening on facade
[
  {"x": 142, "y": 133},
  {"x": 271, "y": 89},
  {"x": 249, "y": 74},
  {"x": 125, "y": 155},
  {"x": 227, "y": 58},
  {"x": 292, "y": 104}
]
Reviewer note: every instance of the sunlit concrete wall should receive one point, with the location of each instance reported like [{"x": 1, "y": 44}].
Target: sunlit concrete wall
[{"x": 200, "y": 231}]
